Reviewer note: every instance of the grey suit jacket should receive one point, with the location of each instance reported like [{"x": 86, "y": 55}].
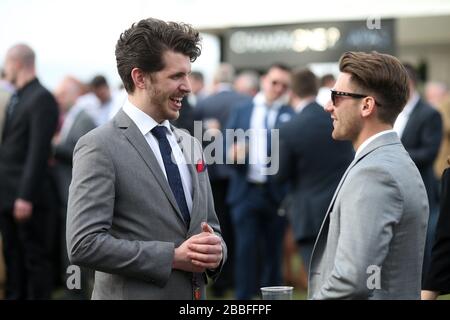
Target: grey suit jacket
[
  {"x": 123, "y": 220},
  {"x": 371, "y": 242}
]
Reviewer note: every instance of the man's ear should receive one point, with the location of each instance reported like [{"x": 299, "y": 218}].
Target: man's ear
[
  {"x": 138, "y": 78},
  {"x": 368, "y": 106}
]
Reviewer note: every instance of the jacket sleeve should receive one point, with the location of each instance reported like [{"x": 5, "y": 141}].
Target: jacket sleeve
[
  {"x": 89, "y": 220},
  {"x": 367, "y": 221},
  {"x": 213, "y": 221}
]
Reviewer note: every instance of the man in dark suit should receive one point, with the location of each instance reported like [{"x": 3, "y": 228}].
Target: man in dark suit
[
  {"x": 420, "y": 128},
  {"x": 253, "y": 195},
  {"x": 311, "y": 161},
  {"x": 437, "y": 281},
  {"x": 32, "y": 116},
  {"x": 213, "y": 112}
]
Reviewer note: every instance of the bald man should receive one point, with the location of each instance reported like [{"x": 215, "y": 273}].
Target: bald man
[{"x": 31, "y": 121}]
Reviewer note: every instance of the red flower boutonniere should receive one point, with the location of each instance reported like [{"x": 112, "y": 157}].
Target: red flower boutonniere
[{"x": 200, "y": 166}]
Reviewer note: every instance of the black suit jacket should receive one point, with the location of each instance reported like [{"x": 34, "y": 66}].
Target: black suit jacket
[
  {"x": 422, "y": 138},
  {"x": 313, "y": 164},
  {"x": 438, "y": 278},
  {"x": 25, "y": 149}
]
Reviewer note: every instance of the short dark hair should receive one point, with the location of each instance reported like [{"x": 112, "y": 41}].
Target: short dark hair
[
  {"x": 98, "y": 81},
  {"x": 144, "y": 43},
  {"x": 279, "y": 65},
  {"x": 304, "y": 83},
  {"x": 197, "y": 75},
  {"x": 380, "y": 75},
  {"x": 327, "y": 78},
  {"x": 412, "y": 73}
]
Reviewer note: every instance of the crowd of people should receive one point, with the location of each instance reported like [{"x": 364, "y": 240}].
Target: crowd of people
[{"x": 167, "y": 181}]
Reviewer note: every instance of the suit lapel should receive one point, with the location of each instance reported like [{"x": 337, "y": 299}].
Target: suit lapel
[
  {"x": 284, "y": 115},
  {"x": 137, "y": 140},
  {"x": 387, "y": 139}
]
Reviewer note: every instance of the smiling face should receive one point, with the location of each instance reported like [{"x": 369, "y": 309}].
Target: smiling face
[
  {"x": 347, "y": 120},
  {"x": 166, "y": 88},
  {"x": 275, "y": 84}
]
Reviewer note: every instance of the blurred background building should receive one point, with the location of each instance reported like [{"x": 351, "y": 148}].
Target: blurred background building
[{"x": 78, "y": 37}]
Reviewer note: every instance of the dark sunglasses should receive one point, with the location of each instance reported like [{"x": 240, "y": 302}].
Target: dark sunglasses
[{"x": 335, "y": 94}]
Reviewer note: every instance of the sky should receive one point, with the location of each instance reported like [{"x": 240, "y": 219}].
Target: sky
[{"x": 78, "y": 37}]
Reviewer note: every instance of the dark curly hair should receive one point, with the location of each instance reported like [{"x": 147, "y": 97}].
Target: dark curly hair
[{"x": 144, "y": 43}]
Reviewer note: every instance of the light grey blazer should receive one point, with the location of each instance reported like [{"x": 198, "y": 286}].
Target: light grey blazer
[
  {"x": 372, "y": 240},
  {"x": 123, "y": 220}
]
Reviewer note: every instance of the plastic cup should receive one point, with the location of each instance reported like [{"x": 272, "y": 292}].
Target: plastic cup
[{"x": 277, "y": 293}]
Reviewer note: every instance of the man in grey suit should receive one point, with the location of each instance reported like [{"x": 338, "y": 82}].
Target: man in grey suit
[
  {"x": 371, "y": 242},
  {"x": 140, "y": 206}
]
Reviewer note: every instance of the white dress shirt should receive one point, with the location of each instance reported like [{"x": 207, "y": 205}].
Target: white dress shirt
[
  {"x": 258, "y": 137},
  {"x": 366, "y": 143},
  {"x": 403, "y": 117},
  {"x": 303, "y": 103},
  {"x": 323, "y": 96},
  {"x": 145, "y": 124}
]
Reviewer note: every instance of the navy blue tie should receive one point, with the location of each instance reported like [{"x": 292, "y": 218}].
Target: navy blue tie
[{"x": 173, "y": 174}]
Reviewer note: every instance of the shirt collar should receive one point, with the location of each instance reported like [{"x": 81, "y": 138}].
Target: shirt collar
[
  {"x": 303, "y": 103},
  {"x": 223, "y": 86},
  {"x": 143, "y": 121},
  {"x": 372, "y": 138},
  {"x": 260, "y": 100}
]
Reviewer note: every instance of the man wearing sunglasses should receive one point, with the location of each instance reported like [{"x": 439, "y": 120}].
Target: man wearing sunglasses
[
  {"x": 372, "y": 239},
  {"x": 253, "y": 194}
]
